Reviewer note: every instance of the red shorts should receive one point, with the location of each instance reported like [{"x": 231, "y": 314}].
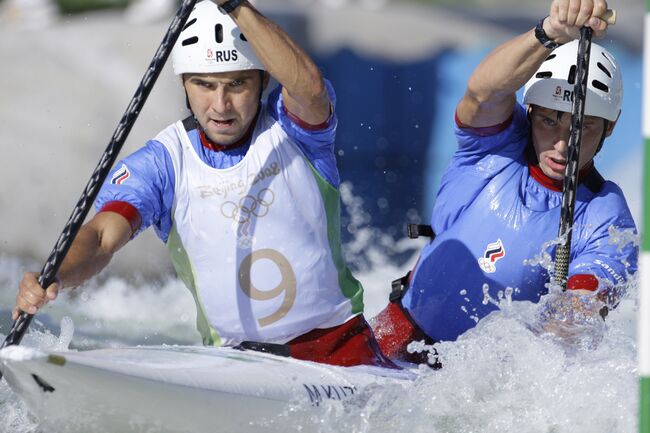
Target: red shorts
[
  {"x": 351, "y": 343},
  {"x": 395, "y": 330}
]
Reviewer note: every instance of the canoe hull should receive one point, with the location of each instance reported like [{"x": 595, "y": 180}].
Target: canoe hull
[{"x": 180, "y": 389}]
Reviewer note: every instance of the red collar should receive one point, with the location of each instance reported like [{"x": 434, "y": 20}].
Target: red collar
[
  {"x": 206, "y": 142},
  {"x": 556, "y": 184}
]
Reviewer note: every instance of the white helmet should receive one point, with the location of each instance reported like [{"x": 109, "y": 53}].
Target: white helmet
[
  {"x": 212, "y": 42},
  {"x": 552, "y": 85}
]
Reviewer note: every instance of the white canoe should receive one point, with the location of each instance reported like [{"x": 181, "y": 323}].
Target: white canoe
[{"x": 180, "y": 388}]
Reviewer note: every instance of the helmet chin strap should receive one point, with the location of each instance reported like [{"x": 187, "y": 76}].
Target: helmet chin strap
[{"x": 602, "y": 138}]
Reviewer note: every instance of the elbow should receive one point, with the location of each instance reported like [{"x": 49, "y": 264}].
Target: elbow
[
  {"x": 479, "y": 97},
  {"x": 315, "y": 88}
]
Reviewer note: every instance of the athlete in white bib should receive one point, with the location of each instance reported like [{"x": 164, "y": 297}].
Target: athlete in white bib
[{"x": 243, "y": 192}]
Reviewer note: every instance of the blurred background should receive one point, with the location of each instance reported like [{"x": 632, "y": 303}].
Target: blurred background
[{"x": 399, "y": 67}]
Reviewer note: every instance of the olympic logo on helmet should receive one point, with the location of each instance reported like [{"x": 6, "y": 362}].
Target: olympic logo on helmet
[
  {"x": 248, "y": 206},
  {"x": 552, "y": 85}
]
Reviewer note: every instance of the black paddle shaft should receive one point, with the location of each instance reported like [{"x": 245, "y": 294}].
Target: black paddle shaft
[
  {"x": 79, "y": 213},
  {"x": 563, "y": 251}
]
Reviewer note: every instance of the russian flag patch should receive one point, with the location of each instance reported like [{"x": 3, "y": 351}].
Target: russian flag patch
[
  {"x": 121, "y": 175},
  {"x": 493, "y": 252}
]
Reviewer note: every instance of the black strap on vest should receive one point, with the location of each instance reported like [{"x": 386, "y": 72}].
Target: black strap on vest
[
  {"x": 189, "y": 123},
  {"x": 594, "y": 181},
  {"x": 414, "y": 231},
  {"x": 399, "y": 287}
]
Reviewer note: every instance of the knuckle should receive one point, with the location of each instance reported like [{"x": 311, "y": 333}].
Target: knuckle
[{"x": 22, "y": 304}]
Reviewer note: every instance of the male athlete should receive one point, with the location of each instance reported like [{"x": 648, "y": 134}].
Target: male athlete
[
  {"x": 499, "y": 203},
  {"x": 243, "y": 192}
]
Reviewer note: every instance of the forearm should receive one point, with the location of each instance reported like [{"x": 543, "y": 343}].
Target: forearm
[
  {"x": 84, "y": 259},
  {"x": 490, "y": 95},
  {"x": 287, "y": 63},
  {"x": 93, "y": 248}
]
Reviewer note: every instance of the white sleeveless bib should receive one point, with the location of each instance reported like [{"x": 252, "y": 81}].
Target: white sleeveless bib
[{"x": 256, "y": 242}]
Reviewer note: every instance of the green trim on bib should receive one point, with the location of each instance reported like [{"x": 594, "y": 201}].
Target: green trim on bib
[
  {"x": 185, "y": 272},
  {"x": 350, "y": 286}
]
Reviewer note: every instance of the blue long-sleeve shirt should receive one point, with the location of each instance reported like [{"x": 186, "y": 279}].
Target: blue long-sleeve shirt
[{"x": 493, "y": 221}]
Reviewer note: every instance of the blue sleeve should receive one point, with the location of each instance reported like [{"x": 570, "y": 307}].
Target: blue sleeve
[
  {"x": 511, "y": 141},
  {"x": 608, "y": 240},
  {"x": 318, "y": 145},
  {"x": 144, "y": 179}
]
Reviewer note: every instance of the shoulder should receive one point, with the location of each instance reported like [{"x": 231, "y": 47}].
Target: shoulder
[
  {"x": 508, "y": 139},
  {"x": 609, "y": 194},
  {"x": 609, "y": 206},
  {"x": 516, "y": 123},
  {"x": 169, "y": 137},
  {"x": 153, "y": 155}
]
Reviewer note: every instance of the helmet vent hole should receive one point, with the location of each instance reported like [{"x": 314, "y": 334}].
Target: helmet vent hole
[
  {"x": 218, "y": 33},
  {"x": 600, "y": 86},
  {"x": 609, "y": 59},
  {"x": 547, "y": 74},
  {"x": 189, "y": 23},
  {"x": 572, "y": 75},
  {"x": 242, "y": 37},
  {"x": 551, "y": 57},
  {"x": 190, "y": 41},
  {"x": 604, "y": 69}
]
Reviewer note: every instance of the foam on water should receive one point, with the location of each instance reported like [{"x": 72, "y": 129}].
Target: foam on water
[{"x": 500, "y": 377}]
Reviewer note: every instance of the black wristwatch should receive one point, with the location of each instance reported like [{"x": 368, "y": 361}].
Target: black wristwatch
[
  {"x": 541, "y": 36},
  {"x": 230, "y": 6}
]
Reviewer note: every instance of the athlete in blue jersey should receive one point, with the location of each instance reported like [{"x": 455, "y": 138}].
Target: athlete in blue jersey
[
  {"x": 244, "y": 192},
  {"x": 498, "y": 207}
]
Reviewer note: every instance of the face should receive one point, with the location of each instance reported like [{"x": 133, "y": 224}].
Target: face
[
  {"x": 551, "y": 130},
  {"x": 224, "y": 103}
]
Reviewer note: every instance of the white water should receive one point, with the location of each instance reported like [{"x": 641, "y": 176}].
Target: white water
[{"x": 499, "y": 377}]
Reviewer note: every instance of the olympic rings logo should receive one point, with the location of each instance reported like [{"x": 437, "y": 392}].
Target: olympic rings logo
[{"x": 248, "y": 206}]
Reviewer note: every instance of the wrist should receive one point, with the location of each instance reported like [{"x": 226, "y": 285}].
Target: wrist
[{"x": 543, "y": 33}]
